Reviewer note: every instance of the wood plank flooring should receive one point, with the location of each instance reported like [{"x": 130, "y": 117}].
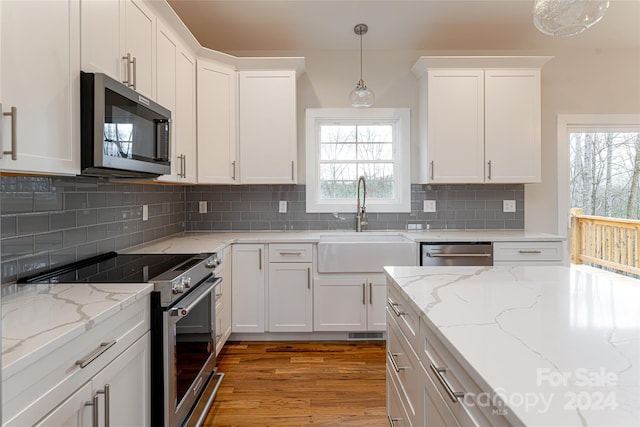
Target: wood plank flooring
[{"x": 301, "y": 383}]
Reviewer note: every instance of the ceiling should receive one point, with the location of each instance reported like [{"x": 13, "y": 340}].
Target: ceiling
[{"x": 299, "y": 25}]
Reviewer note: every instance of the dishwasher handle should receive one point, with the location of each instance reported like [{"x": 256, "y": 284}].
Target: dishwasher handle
[{"x": 429, "y": 254}]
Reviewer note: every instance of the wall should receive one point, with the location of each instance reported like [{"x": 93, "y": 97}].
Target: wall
[
  {"x": 253, "y": 207},
  {"x": 48, "y": 221}
]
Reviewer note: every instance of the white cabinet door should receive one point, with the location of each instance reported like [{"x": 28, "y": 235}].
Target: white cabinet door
[
  {"x": 223, "y": 302},
  {"x": 216, "y": 127},
  {"x": 166, "y": 81},
  {"x": 247, "y": 292},
  {"x": 185, "y": 114},
  {"x": 340, "y": 304},
  {"x": 114, "y": 30},
  {"x": 377, "y": 303},
  {"x": 290, "y": 297},
  {"x": 512, "y": 125},
  {"x": 176, "y": 90},
  {"x": 436, "y": 411},
  {"x": 128, "y": 381},
  {"x": 455, "y": 126},
  {"x": 268, "y": 150},
  {"x": 101, "y": 50},
  {"x": 40, "y": 62},
  {"x": 139, "y": 41},
  {"x": 73, "y": 412}
]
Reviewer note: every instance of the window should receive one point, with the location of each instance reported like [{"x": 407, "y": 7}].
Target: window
[
  {"x": 584, "y": 176},
  {"x": 344, "y": 144}
]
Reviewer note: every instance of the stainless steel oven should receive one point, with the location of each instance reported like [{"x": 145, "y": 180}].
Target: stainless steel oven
[{"x": 189, "y": 352}]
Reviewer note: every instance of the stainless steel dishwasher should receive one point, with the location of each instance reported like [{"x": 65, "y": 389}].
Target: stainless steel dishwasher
[{"x": 456, "y": 253}]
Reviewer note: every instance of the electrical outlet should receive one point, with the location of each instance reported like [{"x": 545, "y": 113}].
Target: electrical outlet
[
  {"x": 282, "y": 206},
  {"x": 145, "y": 212},
  {"x": 508, "y": 206},
  {"x": 429, "y": 206},
  {"x": 202, "y": 206}
]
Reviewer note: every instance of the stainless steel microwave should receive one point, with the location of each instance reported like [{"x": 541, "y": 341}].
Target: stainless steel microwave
[{"x": 122, "y": 133}]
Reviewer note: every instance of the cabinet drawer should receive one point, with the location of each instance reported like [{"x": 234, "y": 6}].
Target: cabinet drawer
[
  {"x": 449, "y": 377},
  {"x": 35, "y": 390},
  {"x": 290, "y": 252},
  {"x": 527, "y": 251},
  {"x": 404, "y": 314},
  {"x": 404, "y": 368},
  {"x": 396, "y": 412}
]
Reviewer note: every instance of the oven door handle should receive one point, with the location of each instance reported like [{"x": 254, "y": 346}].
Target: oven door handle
[{"x": 183, "y": 311}]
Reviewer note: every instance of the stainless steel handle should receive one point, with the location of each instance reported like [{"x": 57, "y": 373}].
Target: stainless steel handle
[
  {"x": 393, "y": 420},
  {"x": 233, "y": 165},
  {"x": 106, "y": 404},
  {"x": 184, "y": 165},
  {"x": 394, "y": 307},
  {"x": 260, "y": 259},
  {"x": 308, "y": 277},
  {"x": 299, "y": 253},
  {"x": 489, "y": 175},
  {"x": 205, "y": 293},
  {"x": 292, "y": 171},
  {"x": 364, "y": 293},
  {"x": 393, "y": 361},
  {"x": 529, "y": 251},
  {"x": 135, "y": 74},
  {"x": 127, "y": 69},
  {"x": 458, "y": 255},
  {"x": 432, "y": 168},
  {"x": 370, "y": 293},
  {"x": 14, "y": 133},
  {"x": 94, "y": 410},
  {"x": 95, "y": 353},
  {"x": 453, "y": 395}
]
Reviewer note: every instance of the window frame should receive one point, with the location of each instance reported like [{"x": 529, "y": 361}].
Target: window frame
[{"x": 399, "y": 117}]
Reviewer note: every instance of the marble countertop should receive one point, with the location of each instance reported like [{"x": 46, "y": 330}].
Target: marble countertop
[
  {"x": 560, "y": 345},
  {"x": 195, "y": 242},
  {"x": 36, "y": 319}
]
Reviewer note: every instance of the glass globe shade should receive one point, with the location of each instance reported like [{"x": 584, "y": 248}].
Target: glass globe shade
[
  {"x": 361, "y": 96},
  {"x": 567, "y": 17}
]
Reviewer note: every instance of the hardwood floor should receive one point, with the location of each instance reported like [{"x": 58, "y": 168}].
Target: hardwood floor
[{"x": 301, "y": 383}]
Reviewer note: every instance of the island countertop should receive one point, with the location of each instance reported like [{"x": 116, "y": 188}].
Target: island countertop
[{"x": 559, "y": 345}]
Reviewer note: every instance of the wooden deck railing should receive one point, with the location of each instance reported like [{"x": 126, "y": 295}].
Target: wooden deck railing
[{"x": 607, "y": 242}]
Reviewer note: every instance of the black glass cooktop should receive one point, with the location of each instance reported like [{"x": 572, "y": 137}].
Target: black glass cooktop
[{"x": 111, "y": 268}]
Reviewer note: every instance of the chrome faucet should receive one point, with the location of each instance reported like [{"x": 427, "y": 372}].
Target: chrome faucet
[{"x": 361, "y": 210}]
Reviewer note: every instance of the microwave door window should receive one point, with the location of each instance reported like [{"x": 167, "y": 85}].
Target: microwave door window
[{"x": 118, "y": 140}]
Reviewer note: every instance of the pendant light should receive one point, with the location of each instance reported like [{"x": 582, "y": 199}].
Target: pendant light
[
  {"x": 567, "y": 17},
  {"x": 361, "y": 96}
]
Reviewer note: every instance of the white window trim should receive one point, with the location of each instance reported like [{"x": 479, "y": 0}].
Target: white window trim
[
  {"x": 582, "y": 122},
  {"x": 402, "y": 203}
]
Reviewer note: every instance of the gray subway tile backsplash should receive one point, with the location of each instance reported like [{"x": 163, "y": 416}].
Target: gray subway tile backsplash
[{"x": 49, "y": 221}]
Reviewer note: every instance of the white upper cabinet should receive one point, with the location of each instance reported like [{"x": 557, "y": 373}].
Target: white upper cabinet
[
  {"x": 176, "y": 86},
  {"x": 40, "y": 75},
  {"x": 480, "y": 119},
  {"x": 118, "y": 39},
  {"x": 216, "y": 126},
  {"x": 455, "y": 126},
  {"x": 512, "y": 125},
  {"x": 268, "y": 149}
]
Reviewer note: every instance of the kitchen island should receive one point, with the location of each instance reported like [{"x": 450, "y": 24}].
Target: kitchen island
[{"x": 552, "y": 346}]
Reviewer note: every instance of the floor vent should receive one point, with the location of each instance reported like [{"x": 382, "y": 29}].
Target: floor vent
[{"x": 364, "y": 336}]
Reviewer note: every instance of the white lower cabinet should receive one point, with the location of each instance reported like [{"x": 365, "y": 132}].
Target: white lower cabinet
[
  {"x": 527, "y": 253},
  {"x": 223, "y": 302},
  {"x": 248, "y": 290},
  {"x": 290, "y": 297},
  {"x": 349, "y": 302},
  {"x": 432, "y": 387},
  {"x": 59, "y": 391}
]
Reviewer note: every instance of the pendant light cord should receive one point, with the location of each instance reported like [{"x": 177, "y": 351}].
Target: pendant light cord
[{"x": 361, "y": 57}]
